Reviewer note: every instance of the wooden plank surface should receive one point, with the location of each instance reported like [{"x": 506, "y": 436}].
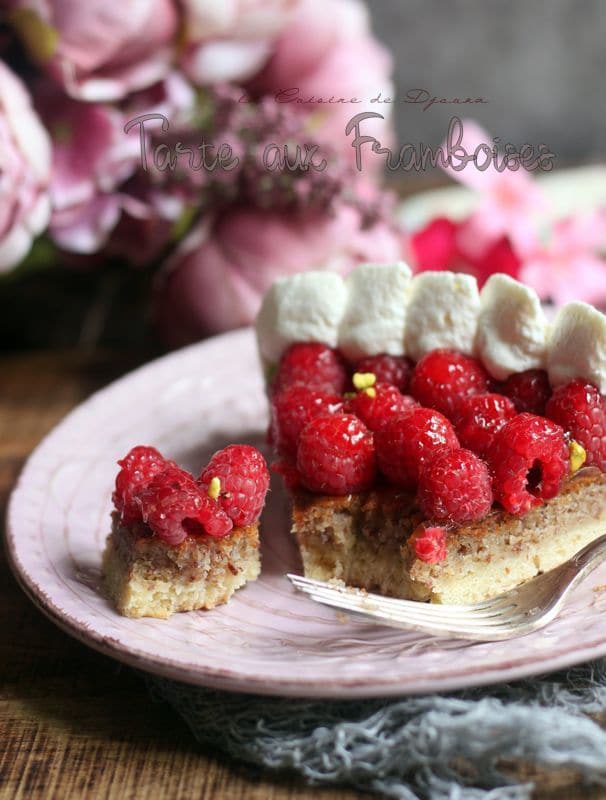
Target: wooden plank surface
[{"x": 75, "y": 724}]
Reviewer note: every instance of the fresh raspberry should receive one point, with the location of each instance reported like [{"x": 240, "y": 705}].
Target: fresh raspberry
[
  {"x": 442, "y": 378},
  {"x": 529, "y": 390},
  {"x": 174, "y": 506},
  {"x": 430, "y": 544},
  {"x": 529, "y": 459},
  {"x": 313, "y": 365},
  {"x": 243, "y": 482},
  {"x": 292, "y": 409},
  {"x": 581, "y": 410},
  {"x": 336, "y": 455},
  {"x": 479, "y": 417},
  {"x": 406, "y": 442},
  {"x": 395, "y": 370},
  {"x": 455, "y": 486},
  {"x": 138, "y": 468},
  {"x": 379, "y": 404}
]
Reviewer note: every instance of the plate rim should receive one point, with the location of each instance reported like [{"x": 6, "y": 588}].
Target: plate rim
[{"x": 224, "y": 679}]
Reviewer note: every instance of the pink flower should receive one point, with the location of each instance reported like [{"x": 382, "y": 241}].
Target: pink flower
[
  {"x": 569, "y": 266},
  {"x": 510, "y": 201},
  {"x": 230, "y": 40},
  {"x": 97, "y": 182},
  {"x": 99, "y": 49},
  {"x": 217, "y": 278},
  {"x": 24, "y": 171},
  {"x": 500, "y": 257},
  {"x": 327, "y": 51},
  {"x": 91, "y": 158},
  {"x": 437, "y": 246}
]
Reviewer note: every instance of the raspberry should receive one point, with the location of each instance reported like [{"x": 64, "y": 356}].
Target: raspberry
[
  {"x": 243, "y": 481},
  {"x": 581, "y": 410},
  {"x": 138, "y": 468},
  {"x": 292, "y": 409},
  {"x": 455, "y": 486},
  {"x": 174, "y": 506},
  {"x": 380, "y": 404},
  {"x": 442, "y": 378},
  {"x": 479, "y": 417},
  {"x": 395, "y": 370},
  {"x": 336, "y": 455},
  {"x": 313, "y": 365},
  {"x": 529, "y": 459},
  {"x": 430, "y": 545},
  {"x": 529, "y": 390},
  {"x": 406, "y": 442}
]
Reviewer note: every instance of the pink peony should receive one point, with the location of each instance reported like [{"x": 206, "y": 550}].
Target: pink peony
[
  {"x": 25, "y": 161},
  {"x": 100, "y": 196},
  {"x": 230, "y": 40},
  {"x": 328, "y": 51},
  {"x": 217, "y": 278},
  {"x": 99, "y": 49}
]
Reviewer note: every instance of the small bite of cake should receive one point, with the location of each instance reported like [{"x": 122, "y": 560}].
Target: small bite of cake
[{"x": 180, "y": 543}]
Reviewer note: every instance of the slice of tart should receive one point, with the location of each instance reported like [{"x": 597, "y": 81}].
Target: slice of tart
[
  {"x": 378, "y": 541},
  {"x": 179, "y": 543},
  {"x": 439, "y": 443}
]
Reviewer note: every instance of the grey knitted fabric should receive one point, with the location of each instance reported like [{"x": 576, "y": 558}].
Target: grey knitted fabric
[{"x": 437, "y": 747}]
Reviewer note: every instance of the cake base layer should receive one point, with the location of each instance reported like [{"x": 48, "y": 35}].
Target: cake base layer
[
  {"x": 363, "y": 540},
  {"x": 145, "y": 577}
]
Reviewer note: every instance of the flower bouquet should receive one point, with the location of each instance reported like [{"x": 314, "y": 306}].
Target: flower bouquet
[
  {"x": 202, "y": 141},
  {"x": 201, "y": 146}
]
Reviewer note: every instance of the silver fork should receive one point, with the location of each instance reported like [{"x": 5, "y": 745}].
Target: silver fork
[{"x": 515, "y": 613}]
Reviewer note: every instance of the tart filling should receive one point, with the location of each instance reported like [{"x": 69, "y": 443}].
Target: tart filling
[
  {"x": 370, "y": 540},
  {"x": 145, "y": 577}
]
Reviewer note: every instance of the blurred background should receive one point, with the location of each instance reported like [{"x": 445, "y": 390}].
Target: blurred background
[
  {"x": 540, "y": 65},
  {"x": 132, "y": 260}
]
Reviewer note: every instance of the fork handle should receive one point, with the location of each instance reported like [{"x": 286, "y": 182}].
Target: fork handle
[{"x": 589, "y": 557}]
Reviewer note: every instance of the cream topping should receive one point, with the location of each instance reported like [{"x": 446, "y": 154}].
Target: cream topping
[
  {"x": 379, "y": 308},
  {"x": 442, "y": 312},
  {"x": 512, "y": 329},
  {"x": 577, "y": 348},
  {"x": 375, "y": 312}
]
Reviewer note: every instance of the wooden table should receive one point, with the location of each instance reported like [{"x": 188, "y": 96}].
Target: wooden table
[{"x": 74, "y": 723}]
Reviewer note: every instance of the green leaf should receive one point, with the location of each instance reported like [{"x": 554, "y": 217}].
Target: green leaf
[{"x": 42, "y": 256}]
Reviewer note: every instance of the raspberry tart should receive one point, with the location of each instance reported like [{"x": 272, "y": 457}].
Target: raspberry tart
[
  {"x": 180, "y": 543},
  {"x": 439, "y": 443}
]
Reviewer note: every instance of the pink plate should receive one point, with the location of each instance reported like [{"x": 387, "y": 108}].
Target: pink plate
[{"x": 268, "y": 639}]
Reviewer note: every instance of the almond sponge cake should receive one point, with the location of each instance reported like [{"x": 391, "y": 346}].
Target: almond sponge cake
[
  {"x": 178, "y": 543},
  {"x": 368, "y": 540},
  {"x": 146, "y": 578},
  {"x": 440, "y": 443}
]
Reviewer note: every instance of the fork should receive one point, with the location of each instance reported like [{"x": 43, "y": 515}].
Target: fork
[{"x": 517, "y": 612}]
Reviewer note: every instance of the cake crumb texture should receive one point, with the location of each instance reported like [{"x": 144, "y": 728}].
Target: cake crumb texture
[
  {"x": 145, "y": 577},
  {"x": 362, "y": 540}
]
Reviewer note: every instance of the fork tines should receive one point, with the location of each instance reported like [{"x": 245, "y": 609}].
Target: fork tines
[{"x": 491, "y": 619}]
